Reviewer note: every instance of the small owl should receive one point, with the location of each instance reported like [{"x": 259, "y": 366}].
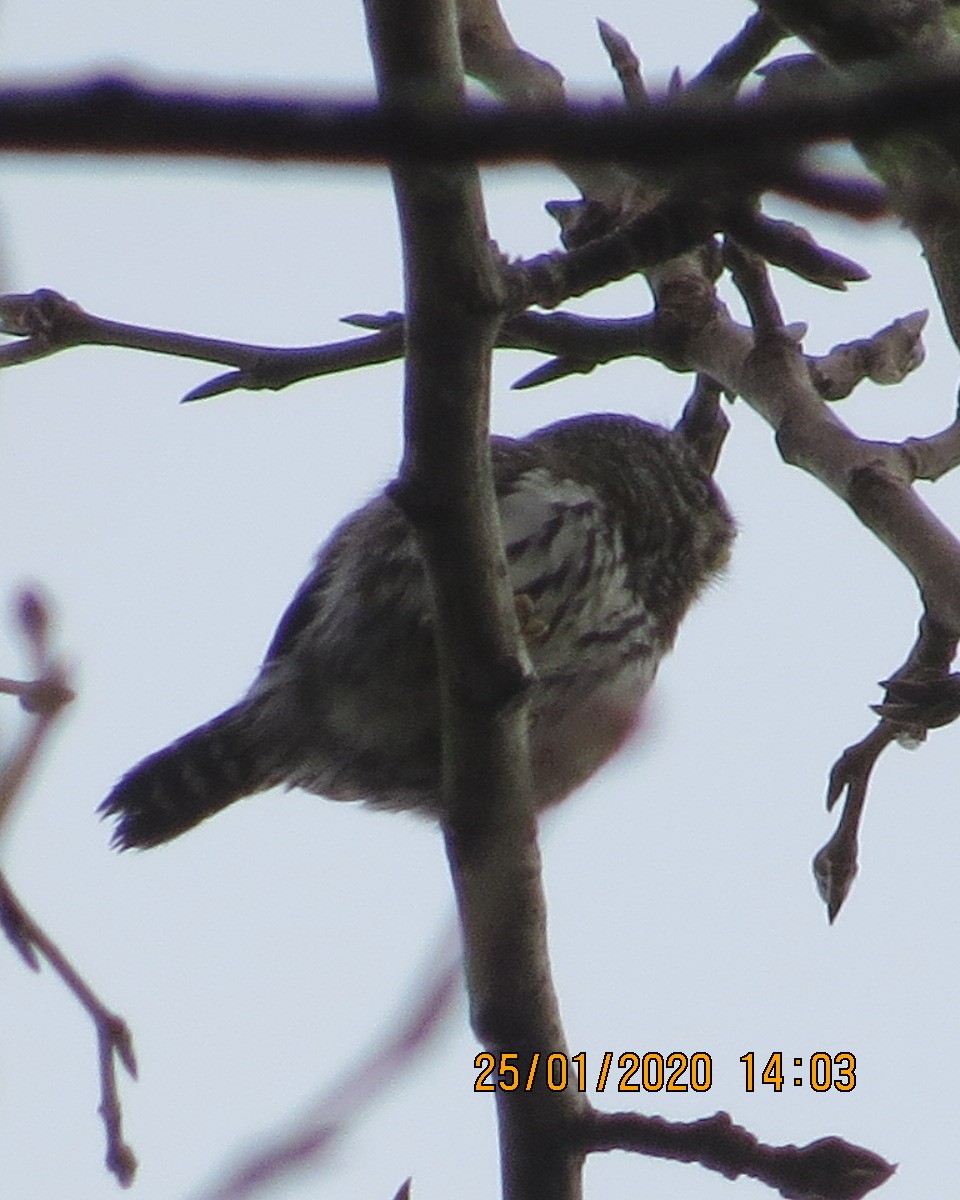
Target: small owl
[{"x": 612, "y": 527}]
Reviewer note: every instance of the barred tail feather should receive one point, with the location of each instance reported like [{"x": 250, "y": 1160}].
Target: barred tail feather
[{"x": 191, "y": 779}]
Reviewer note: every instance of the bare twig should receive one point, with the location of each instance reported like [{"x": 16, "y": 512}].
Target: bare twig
[
  {"x": 703, "y": 422},
  {"x": 749, "y": 273},
  {"x": 491, "y": 56},
  {"x": 935, "y": 455},
  {"x": 921, "y": 695},
  {"x": 672, "y": 228},
  {"x": 784, "y": 244},
  {"x": 886, "y": 357},
  {"x": 835, "y": 865},
  {"x": 828, "y": 1169},
  {"x": 874, "y": 479},
  {"x": 45, "y": 697},
  {"x": 626, "y": 64},
  {"x": 732, "y": 63},
  {"x": 113, "y": 1037},
  {"x": 49, "y": 322},
  {"x": 579, "y": 345}
]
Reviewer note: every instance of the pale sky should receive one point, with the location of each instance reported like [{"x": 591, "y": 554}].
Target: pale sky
[{"x": 262, "y": 953}]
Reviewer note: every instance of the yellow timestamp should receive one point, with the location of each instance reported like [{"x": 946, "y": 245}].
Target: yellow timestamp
[
  {"x": 653, "y": 1071},
  {"x": 821, "y": 1072},
  {"x": 631, "y": 1072}
]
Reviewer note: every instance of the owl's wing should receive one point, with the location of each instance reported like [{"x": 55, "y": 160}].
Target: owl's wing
[{"x": 298, "y": 614}]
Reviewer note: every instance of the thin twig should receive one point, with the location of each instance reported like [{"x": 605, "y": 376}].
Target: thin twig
[
  {"x": 933, "y": 701},
  {"x": 835, "y": 865},
  {"x": 114, "y": 1041},
  {"x": 578, "y": 343},
  {"x": 886, "y": 357},
  {"x": 113, "y": 1036},
  {"x": 732, "y": 63},
  {"x": 827, "y": 1169},
  {"x": 935, "y": 455},
  {"x": 626, "y": 64},
  {"x": 749, "y": 273},
  {"x": 703, "y": 423},
  {"x": 784, "y": 244},
  {"x": 49, "y": 322},
  {"x": 327, "y": 1119},
  {"x": 45, "y": 697}
]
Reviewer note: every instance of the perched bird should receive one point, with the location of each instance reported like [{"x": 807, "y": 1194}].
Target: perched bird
[{"x": 612, "y": 526}]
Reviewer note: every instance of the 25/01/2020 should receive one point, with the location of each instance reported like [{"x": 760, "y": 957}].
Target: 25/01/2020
[{"x": 649, "y": 1072}]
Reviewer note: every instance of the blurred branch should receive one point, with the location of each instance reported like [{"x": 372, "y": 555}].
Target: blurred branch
[
  {"x": 319, "y": 1129},
  {"x": 118, "y": 116},
  {"x": 45, "y": 697},
  {"x": 917, "y": 160}
]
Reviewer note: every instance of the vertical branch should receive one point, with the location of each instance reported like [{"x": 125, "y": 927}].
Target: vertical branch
[{"x": 454, "y": 305}]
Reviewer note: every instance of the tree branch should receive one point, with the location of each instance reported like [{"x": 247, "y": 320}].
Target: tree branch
[
  {"x": 49, "y": 323},
  {"x": 455, "y": 299},
  {"x": 933, "y": 693},
  {"x": 919, "y": 161},
  {"x": 730, "y": 66},
  {"x": 319, "y": 1129},
  {"x": 828, "y": 1169},
  {"x": 45, "y": 697},
  {"x": 114, "y": 1041},
  {"x": 887, "y": 357},
  {"x": 119, "y": 116}
]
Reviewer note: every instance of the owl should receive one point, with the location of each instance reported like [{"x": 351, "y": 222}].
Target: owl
[{"x": 611, "y": 527}]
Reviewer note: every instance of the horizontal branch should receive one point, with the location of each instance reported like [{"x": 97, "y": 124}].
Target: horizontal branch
[
  {"x": 117, "y": 115},
  {"x": 829, "y": 1169},
  {"x": 48, "y": 323}
]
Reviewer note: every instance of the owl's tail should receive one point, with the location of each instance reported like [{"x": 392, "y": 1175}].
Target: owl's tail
[{"x": 194, "y": 777}]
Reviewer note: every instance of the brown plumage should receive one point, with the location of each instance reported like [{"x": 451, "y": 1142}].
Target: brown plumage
[{"x": 612, "y": 527}]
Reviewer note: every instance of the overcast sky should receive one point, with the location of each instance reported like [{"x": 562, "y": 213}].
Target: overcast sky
[{"x": 261, "y": 954}]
